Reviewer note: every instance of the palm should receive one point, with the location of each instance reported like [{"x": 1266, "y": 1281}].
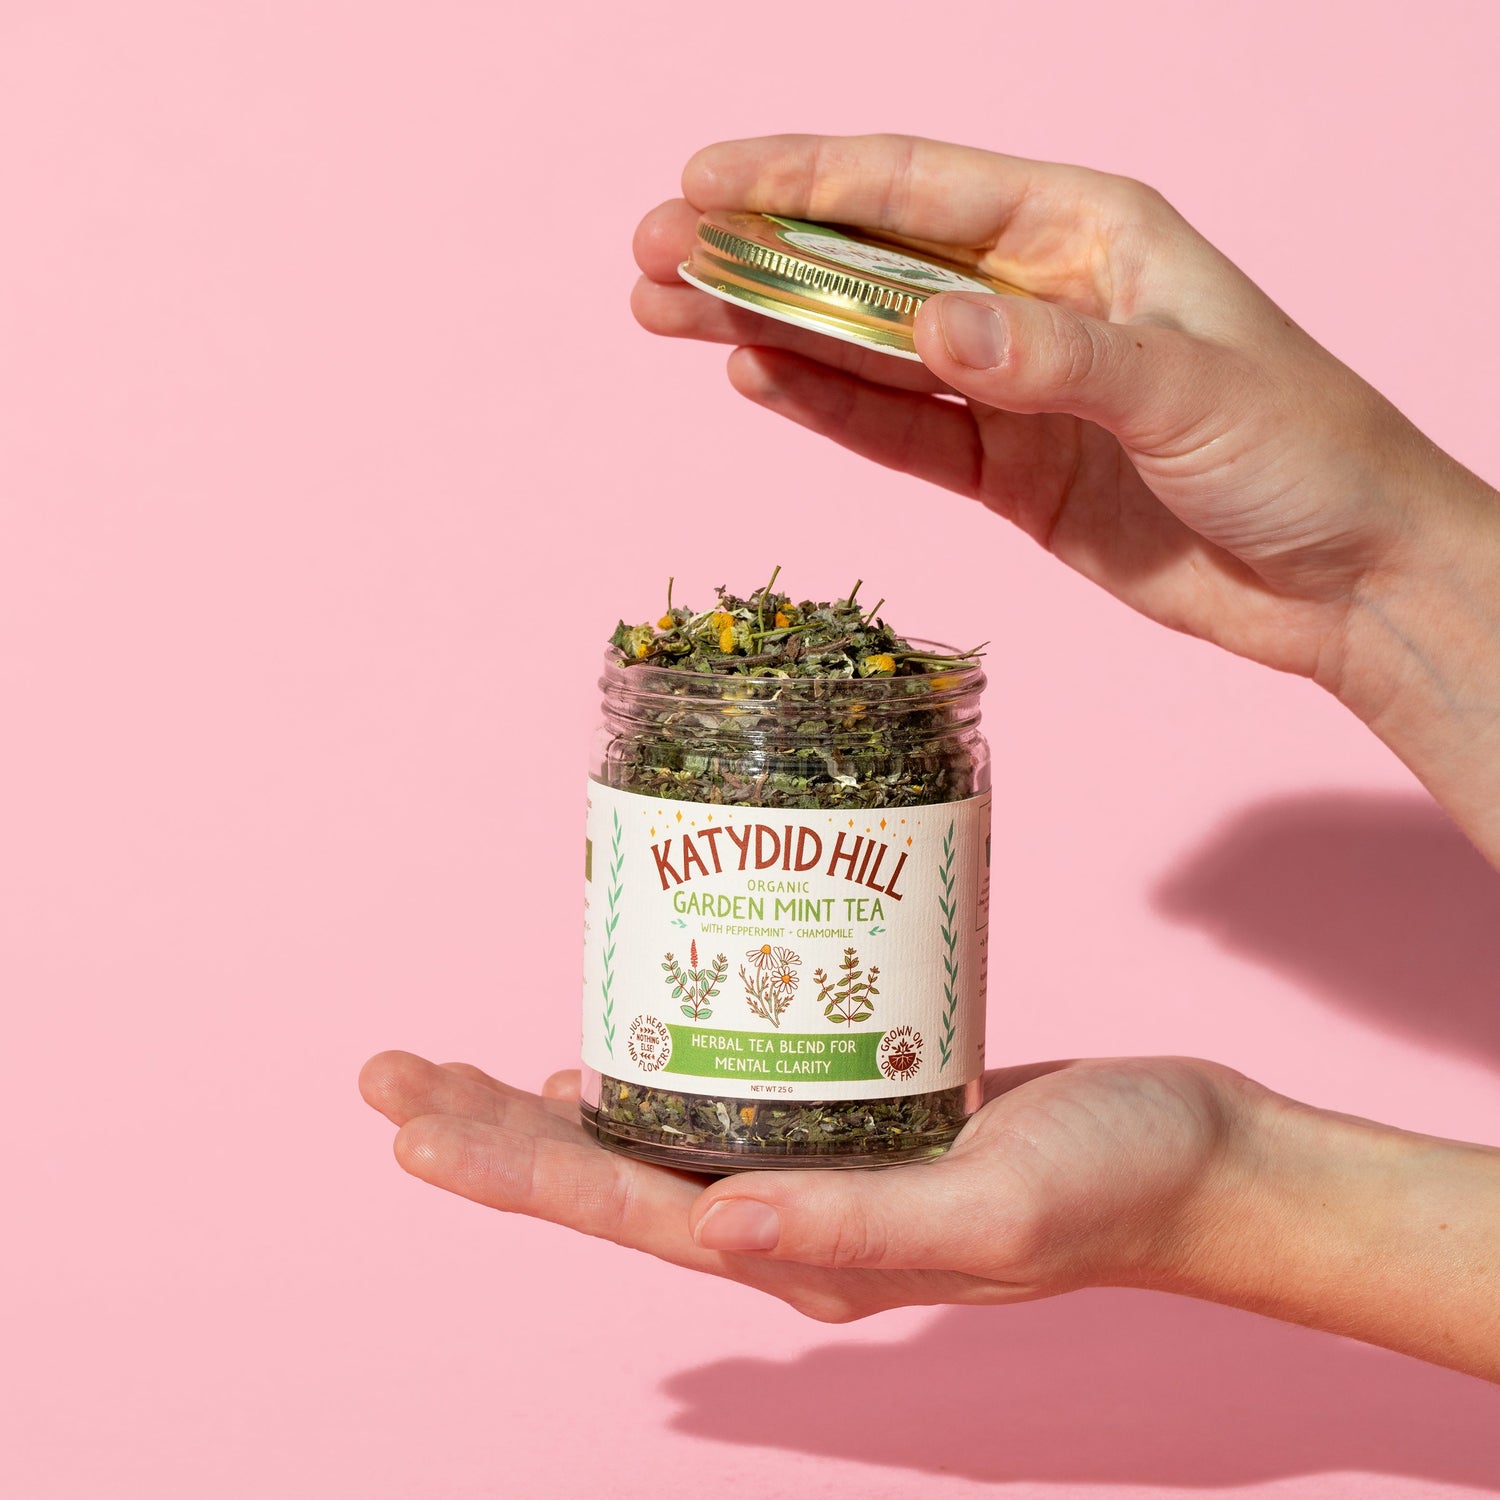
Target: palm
[
  {"x": 1074, "y": 488},
  {"x": 1063, "y": 1177}
]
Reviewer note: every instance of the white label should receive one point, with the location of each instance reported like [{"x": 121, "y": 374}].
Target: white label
[{"x": 745, "y": 951}]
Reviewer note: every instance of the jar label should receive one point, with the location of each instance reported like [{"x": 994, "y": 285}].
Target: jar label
[{"x": 746, "y": 951}]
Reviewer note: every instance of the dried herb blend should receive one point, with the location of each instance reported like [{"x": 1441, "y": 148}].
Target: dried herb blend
[{"x": 787, "y": 888}]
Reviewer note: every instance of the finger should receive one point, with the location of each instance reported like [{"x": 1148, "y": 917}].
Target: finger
[
  {"x": 897, "y": 184},
  {"x": 664, "y": 238},
  {"x": 915, "y": 433},
  {"x": 403, "y": 1086},
  {"x": 1066, "y": 233},
  {"x": 476, "y": 1075},
  {"x": 683, "y": 311},
  {"x": 566, "y": 1086},
  {"x": 935, "y": 1216},
  {"x": 1000, "y": 1081},
  {"x": 1152, "y": 387},
  {"x": 571, "y": 1182},
  {"x": 1050, "y": 228},
  {"x": 643, "y": 1207}
]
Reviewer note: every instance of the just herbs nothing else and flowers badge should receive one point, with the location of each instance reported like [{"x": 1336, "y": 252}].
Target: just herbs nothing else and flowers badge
[{"x": 786, "y": 889}]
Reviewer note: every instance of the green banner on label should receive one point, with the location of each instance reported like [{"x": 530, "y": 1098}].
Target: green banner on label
[{"x": 774, "y": 1056}]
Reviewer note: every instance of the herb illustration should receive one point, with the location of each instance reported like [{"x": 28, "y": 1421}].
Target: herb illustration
[
  {"x": 693, "y": 986},
  {"x": 616, "y": 864},
  {"x": 771, "y": 981},
  {"x": 764, "y": 701},
  {"x": 948, "y": 902},
  {"x": 849, "y": 995}
]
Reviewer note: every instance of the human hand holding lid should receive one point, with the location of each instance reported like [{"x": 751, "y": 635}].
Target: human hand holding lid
[{"x": 1149, "y": 415}]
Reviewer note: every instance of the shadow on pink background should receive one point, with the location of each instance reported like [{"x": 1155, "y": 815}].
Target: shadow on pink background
[
  {"x": 1375, "y": 903},
  {"x": 1106, "y": 1388}
]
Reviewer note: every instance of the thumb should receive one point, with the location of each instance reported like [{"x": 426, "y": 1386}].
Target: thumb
[
  {"x": 1141, "y": 381},
  {"x": 911, "y": 1218}
]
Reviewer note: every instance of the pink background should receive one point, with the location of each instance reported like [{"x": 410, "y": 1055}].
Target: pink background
[{"x": 319, "y": 395}]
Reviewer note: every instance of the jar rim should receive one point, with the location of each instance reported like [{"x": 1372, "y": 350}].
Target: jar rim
[{"x": 944, "y": 685}]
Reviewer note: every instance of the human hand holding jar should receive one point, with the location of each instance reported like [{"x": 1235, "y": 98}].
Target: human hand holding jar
[{"x": 1171, "y": 1174}]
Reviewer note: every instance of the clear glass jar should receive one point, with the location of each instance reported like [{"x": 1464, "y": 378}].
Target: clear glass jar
[{"x": 828, "y": 838}]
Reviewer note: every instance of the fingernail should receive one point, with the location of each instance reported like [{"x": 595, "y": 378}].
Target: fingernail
[
  {"x": 739, "y": 1224},
  {"x": 973, "y": 333}
]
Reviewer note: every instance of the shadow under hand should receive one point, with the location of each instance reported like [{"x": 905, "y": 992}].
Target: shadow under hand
[
  {"x": 1107, "y": 1387},
  {"x": 1375, "y": 900}
]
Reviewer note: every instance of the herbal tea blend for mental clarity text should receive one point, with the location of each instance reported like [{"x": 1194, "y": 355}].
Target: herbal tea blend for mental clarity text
[{"x": 787, "y": 889}]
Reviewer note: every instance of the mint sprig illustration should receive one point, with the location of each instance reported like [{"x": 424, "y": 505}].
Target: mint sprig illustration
[{"x": 848, "y": 996}]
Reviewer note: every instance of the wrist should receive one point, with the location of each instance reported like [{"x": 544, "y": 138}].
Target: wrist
[
  {"x": 1419, "y": 653},
  {"x": 1348, "y": 1226}
]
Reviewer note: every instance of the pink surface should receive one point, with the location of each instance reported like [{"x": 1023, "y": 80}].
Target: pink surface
[{"x": 318, "y": 391}]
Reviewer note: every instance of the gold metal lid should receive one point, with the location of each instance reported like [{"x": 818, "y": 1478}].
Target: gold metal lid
[{"x": 826, "y": 278}]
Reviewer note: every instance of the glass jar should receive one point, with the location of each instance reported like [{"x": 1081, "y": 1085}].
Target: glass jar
[{"x": 786, "y": 904}]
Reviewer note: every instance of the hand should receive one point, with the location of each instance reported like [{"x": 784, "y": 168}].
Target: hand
[
  {"x": 1072, "y": 1174},
  {"x": 1157, "y": 422},
  {"x": 1167, "y": 1173}
]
